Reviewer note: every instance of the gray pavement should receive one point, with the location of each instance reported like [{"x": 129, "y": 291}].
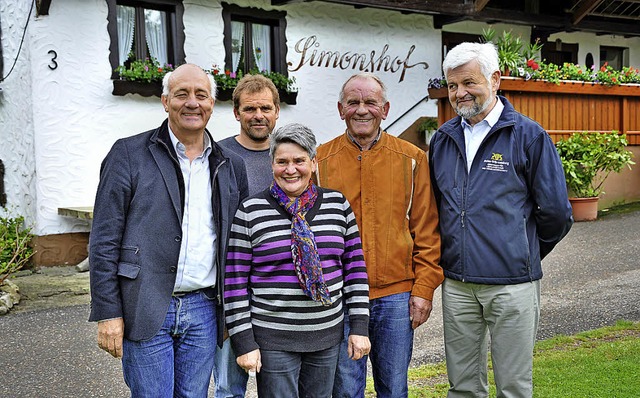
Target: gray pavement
[{"x": 48, "y": 349}]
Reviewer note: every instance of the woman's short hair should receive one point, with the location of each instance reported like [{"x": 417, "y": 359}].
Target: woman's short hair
[
  {"x": 294, "y": 133},
  {"x": 254, "y": 84},
  {"x": 485, "y": 53}
]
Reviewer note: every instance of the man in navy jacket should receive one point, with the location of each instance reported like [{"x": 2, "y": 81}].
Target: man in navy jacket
[
  {"x": 163, "y": 211},
  {"x": 503, "y": 206}
]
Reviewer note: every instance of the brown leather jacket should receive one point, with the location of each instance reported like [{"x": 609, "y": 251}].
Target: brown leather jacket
[{"x": 390, "y": 193}]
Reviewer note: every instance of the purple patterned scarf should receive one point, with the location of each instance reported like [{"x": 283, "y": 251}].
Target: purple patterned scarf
[{"x": 303, "y": 244}]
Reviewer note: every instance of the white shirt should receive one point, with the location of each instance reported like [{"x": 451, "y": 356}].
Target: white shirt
[
  {"x": 474, "y": 135},
  {"x": 196, "y": 268}
]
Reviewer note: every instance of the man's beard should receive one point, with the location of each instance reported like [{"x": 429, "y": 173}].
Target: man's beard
[
  {"x": 257, "y": 137},
  {"x": 476, "y": 109}
]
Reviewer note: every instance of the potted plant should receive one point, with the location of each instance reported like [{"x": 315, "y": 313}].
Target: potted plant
[
  {"x": 427, "y": 128},
  {"x": 587, "y": 159}
]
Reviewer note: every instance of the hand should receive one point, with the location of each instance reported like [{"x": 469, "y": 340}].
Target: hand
[
  {"x": 110, "y": 334},
  {"x": 419, "y": 310},
  {"x": 358, "y": 347},
  {"x": 250, "y": 361}
]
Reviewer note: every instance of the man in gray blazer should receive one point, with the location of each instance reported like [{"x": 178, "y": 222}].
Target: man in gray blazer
[{"x": 163, "y": 210}]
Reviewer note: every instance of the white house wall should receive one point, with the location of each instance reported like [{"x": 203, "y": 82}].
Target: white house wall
[
  {"x": 77, "y": 119},
  {"x": 63, "y": 115},
  {"x": 16, "y": 121}
]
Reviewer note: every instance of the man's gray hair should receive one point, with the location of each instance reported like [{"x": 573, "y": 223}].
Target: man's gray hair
[
  {"x": 485, "y": 53},
  {"x": 294, "y": 133},
  {"x": 212, "y": 81},
  {"x": 365, "y": 75}
]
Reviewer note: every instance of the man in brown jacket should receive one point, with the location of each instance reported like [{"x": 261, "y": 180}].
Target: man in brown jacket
[{"x": 386, "y": 180}]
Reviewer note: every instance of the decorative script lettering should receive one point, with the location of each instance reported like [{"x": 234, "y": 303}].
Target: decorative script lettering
[{"x": 312, "y": 55}]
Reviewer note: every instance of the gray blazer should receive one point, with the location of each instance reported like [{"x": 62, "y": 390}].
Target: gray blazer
[{"x": 137, "y": 229}]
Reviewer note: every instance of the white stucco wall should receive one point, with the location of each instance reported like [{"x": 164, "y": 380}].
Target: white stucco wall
[
  {"x": 60, "y": 123},
  {"x": 76, "y": 119},
  {"x": 16, "y": 115}
]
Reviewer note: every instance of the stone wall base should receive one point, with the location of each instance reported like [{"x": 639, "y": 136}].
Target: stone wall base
[{"x": 60, "y": 249}]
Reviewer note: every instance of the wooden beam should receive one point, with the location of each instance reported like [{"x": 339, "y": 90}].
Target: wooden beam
[
  {"x": 584, "y": 9},
  {"x": 480, "y": 5},
  {"x": 452, "y": 7},
  {"x": 42, "y": 7}
]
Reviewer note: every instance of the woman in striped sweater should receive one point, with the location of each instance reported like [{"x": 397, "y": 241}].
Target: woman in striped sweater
[{"x": 294, "y": 261}]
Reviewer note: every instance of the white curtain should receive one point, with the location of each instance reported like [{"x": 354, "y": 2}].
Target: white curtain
[
  {"x": 155, "y": 31},
  {"x": 237, "y": 35},
  {"x": 125, "y": 18},
  {"x": 262, "y": 46}
]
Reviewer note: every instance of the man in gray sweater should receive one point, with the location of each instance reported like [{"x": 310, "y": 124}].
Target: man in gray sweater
[{"x": 256, "y": 105}]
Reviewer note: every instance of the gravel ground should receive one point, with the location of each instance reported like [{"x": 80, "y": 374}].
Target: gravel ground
[{"x": 48, "y": 348}]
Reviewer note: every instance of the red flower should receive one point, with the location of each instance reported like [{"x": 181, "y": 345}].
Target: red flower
[
  {"x": 215, "y": 72},
  {"x": 227, "y": 72},
  {"x": 160, "y": 70},
  {"x": 533, "y": 64}
]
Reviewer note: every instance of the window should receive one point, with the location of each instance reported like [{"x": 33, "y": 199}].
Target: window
[
  {"x": 616, "y": 57},
  {"x": 254, "y": 39},
  {"x": 146, "y": 29}
]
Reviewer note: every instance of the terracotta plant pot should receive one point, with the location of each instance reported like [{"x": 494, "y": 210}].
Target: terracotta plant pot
[{"x": 584, "y": 209}]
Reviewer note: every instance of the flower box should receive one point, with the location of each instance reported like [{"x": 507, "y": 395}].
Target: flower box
[
  {"x": 145, "y": 89},
  {"x": 148, "y": 89},
  {"x": 436, "y": 93}
]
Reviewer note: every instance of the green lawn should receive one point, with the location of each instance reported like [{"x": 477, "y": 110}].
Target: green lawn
[{"x": 598, "y": 363}]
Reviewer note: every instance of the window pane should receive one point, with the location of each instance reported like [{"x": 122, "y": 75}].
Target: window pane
[
  {"x": 261, "y": 46},
  {"x": 155, "y": 31},
  {"x": 237, "y": 44},
  {"x": 126, "y": 18}
]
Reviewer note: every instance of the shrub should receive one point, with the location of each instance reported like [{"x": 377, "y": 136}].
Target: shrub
[
  {"x": 589, "y": 157},
  {"x": 15, "y": 249}
]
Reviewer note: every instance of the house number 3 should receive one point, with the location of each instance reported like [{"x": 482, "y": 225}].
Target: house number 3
[{"x": 53, "y": 65}]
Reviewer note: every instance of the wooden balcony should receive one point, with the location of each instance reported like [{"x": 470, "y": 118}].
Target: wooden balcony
[{"x": 567, "y": 107}]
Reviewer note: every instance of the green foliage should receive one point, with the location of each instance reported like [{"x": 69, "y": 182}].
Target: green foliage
[
  {"x": 510, "y": 49},
  {"x": 589, "y": 157},
  {"x": 428, "y": 124},
  {"x": 523, "y": 60},
  {"x": 147, "y": 70},
  {"x": 229, "y": 80},
  {"x": 15, "y": 249}
]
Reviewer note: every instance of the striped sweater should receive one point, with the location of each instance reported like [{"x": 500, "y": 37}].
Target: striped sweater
[{"x": 265, "y": 307}]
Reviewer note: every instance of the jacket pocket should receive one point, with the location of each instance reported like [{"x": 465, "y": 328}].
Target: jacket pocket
[{"x": 128, "y": 270}]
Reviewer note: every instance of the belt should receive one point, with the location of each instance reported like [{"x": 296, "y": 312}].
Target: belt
[{"x": 210, "y": 292}]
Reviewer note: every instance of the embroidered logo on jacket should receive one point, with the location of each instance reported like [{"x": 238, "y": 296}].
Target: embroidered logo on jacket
[{"x": 495, "y": 163}]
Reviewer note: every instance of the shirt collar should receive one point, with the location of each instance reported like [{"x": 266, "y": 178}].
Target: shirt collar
[
  {"x": 492, "y": 118},
  {"x": 372, "y": 144},
  {"x": 180, "y": 148}
]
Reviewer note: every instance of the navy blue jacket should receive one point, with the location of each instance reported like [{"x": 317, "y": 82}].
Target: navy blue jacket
[
  {"x": 137, "y": 229},
  {"x": 498, "y": 220}
]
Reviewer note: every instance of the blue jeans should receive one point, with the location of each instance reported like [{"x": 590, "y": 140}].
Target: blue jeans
[
  {"x": 391, "y": 338},
  {"x": 178, "y": 360},
  {"x": 297, "y": 374},
  {"x": 230, "y": 379}
]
